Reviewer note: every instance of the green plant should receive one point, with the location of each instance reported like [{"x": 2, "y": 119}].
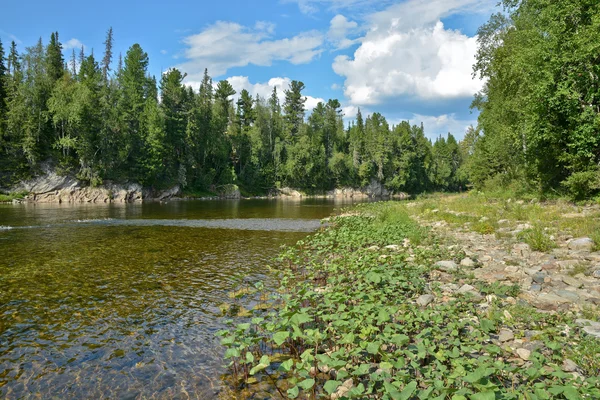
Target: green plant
[{"x": 537, "y": 239}]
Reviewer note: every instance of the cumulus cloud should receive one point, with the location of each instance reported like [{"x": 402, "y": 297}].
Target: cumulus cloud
[
  {"x": 72, "y": 44},
  {"x": 407, "y": 51},
  {"x": 224, "y": 45},
  {"x": 265, "y": 89},
  {"x": 339, "y": 29}
]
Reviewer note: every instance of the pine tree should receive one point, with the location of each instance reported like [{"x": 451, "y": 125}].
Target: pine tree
[
  {"x": 108, "y": 43},
  {"x": 294, "y": 109},
  {"x": 3, "y": 85},
  {"x": 54, "y": 59}
]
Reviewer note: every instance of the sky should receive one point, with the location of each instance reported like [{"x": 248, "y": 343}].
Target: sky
[{"x": 409, "y": 60}]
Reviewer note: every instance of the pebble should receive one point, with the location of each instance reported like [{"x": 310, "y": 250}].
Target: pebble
[
  {"x": 536, "y": 287},
  {"x": 425, "y": 300},
  {"x": 596, "y": 274},
  {"x": 446, "y": 266},
  {"x": 393, "y": 247},
  {"x": 505, "y": 335},
  {"x": 512, "y": 269},
  {"x": 467, "y": 262},
  {"x": 584, "y": 243},
  {"x": 539, "y": 277},
  {"x": 569, "y": 280},
  {"x": 524, "y": 354},
  {"x": 569, "y": 365}
]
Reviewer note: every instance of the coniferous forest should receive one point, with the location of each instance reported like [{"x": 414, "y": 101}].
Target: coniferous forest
[
  {"x": 107, "y": 119},
  {"x": 103, "y": 120}
]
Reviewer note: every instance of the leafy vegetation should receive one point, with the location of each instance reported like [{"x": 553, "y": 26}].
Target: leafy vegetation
[
  {"x": 124, "y": 125},
  {"x": 540, "y": 107},
  {"x": 344, "y": 324}
]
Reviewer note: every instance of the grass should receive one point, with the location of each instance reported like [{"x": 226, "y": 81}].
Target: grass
[
  {"x": 547, "y": 218},
  {"x": 537, "y": 239}
]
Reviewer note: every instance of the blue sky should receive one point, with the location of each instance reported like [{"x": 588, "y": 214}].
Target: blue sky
[{"x": 407, "y": 59}]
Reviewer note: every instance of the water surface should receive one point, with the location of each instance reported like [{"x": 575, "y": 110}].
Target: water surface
[{"x": 122, "y": 300}]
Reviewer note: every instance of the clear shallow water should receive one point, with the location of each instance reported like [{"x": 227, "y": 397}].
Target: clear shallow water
[{"x": 122, "y": 301}]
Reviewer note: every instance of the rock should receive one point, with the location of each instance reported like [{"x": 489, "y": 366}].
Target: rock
[
  {"x": 425, "y": 300},
  {"x": 393, "y": 247},
  {"x": 228, "y": 191},
  {"x": 592, "y": 328},
  {"x": 373, "y": 248},
  {"x": 503, "y": 222},
  {"x": 449, "y": 288},
  {"x": 549, "y": 301},
  {"x": 521, "y": 250},
  {"x": 467, "y": 262},
  {"x": 532, "y": 333},
  {"x": 505, "y": 335},
  {"x": 522, "y": 227},
  {"x": 584, "y": 243},
  {"x": 596, "y": 274},
  {"x": 524, "y": 354},
  {"x": 576, "y": 283},
  {"x": 536, "y": 287},
  {"x": 511, "y": 269},
  {"x": 446, "y": 266},
  {"x": 466, "y": 288},
  {"x": 532, "y": 271},
  {"x": 566, "y": 294},
  {"x": 539, "y": 277},
  {"x": 569, "y": 365}
]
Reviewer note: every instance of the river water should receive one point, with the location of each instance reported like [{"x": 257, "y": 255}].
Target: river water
[{"x": 122, "y": 300}]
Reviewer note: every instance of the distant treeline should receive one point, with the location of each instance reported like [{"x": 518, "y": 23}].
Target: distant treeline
[
  {"x": 540, "y": 108},
  {"x": 104, "y": 124}
]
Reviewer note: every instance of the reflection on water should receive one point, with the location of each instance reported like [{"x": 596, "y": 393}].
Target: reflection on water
[{"x": 121, "y": 301}]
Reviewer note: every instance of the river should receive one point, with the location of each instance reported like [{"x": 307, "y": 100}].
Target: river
[{"x": 122, "y": 300}]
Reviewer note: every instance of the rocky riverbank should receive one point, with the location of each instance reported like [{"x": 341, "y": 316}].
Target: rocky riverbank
[
  {"x": 458, "y": 297},
  {"x": 50, "y": 187}
]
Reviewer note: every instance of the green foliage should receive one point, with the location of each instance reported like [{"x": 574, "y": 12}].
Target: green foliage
[
  {"x": 537, "y": 239},
  {"x": 345, "y": 312},
  {"x": 102, "y": 126},
  {"x": 540, "y": 106}
]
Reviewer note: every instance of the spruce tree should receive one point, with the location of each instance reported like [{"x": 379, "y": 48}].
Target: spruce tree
[
  {"x": 108, "y": 44},
  {"x": 54, "y": 59}
]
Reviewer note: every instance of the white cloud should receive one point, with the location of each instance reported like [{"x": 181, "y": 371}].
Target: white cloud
[
  {"x": 339, "y": 29},
  {"x": 265, "y": 89},
  {"x": 224, "y": 45},
  {"x": 72, "y": 44},
  {"x": 441, "y": 125},
  {"x": 407, "y": 51},
  {"x": 163, "y": 52}
]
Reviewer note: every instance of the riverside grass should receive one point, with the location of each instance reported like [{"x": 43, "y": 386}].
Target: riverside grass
[{"x": 344, "y": 324}]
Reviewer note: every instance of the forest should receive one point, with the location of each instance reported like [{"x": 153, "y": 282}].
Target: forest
[
  {"x": 538, "y": 128},
  {"x": 123, "y": 125}
]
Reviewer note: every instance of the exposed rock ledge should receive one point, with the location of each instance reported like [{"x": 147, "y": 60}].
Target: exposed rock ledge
[
  {"x": 50, "y": 187},
  {"x": 373, "y": 190}
]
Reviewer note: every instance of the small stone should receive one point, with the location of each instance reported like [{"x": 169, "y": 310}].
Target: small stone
[
  {"x": 373, "y": 248},
  {"x": 549, "y": 301},
  {"x": 539, "y": 277},
  {"x": 503, "y": 222},
  {"x": 425, "y": 300},
  {"x": 465, "y": 289},
  {"x": 585, "y": 244},
  {"x": 596, "y": 274},
  {"x": 505, "y": 335},
  {"x": 576, "y": 283},
  {"x": 467, "y": 262},
  {"x": 446, "y": 266},
  {"x": 592, "y": 328},
  {"x": 393, "y": 247},
  {"x": 569, "y": 365},
  {"x": 532, "y": 333},
  {"x": 511, "y": 269},
  {"x": 524, "y": 354},
  {"x": 567, "y": 294},
  {"x": 449, "y": 288},
  {"x": 536, "y": 287},
  {"x": 521, "y": 249}
]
